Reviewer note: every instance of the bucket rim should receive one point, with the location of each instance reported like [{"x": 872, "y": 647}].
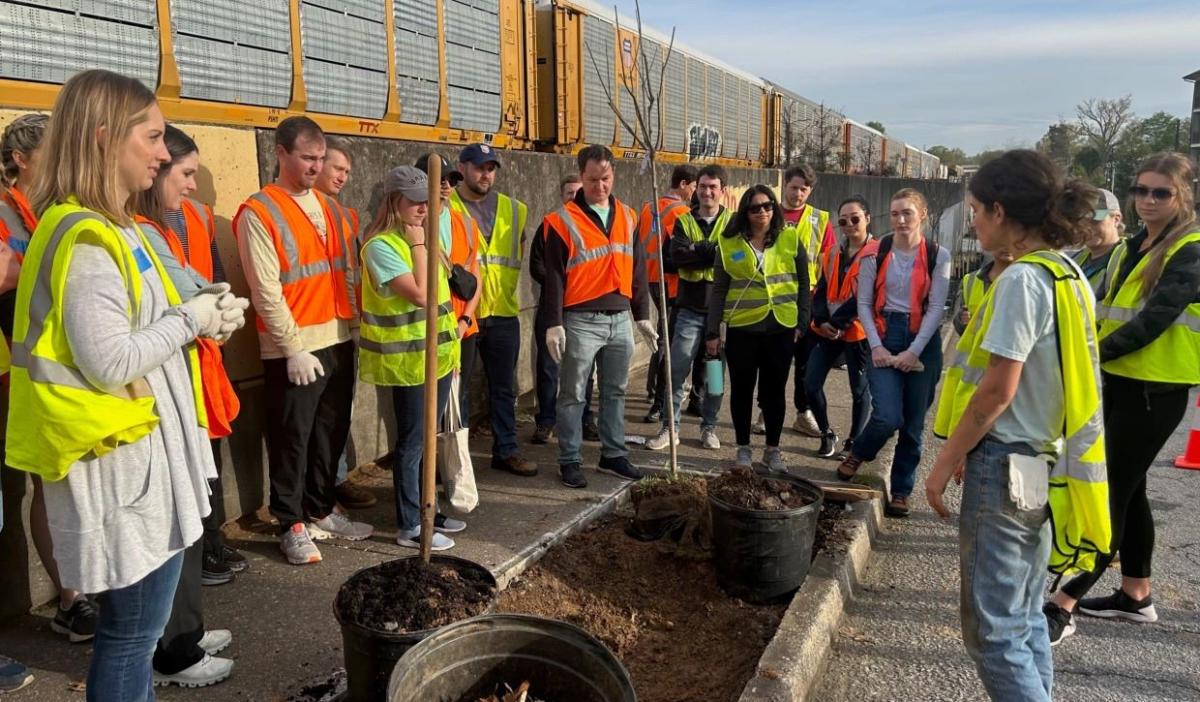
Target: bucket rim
[{"x": 795, "y": 479}]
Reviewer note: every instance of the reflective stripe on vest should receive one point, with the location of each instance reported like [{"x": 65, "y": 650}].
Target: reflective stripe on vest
[
  {"x": 839, "y": 288},
  {"x": 973, "y": 289},
  {"x": 1173, "y": 356},
  {"x": 754, "y": 293},
  {"x": 654, "y": 234},
  {"x": 1078, "y": 481},
  {"x": 465, "y": 239},
  {"x": 391, "y": 349},
  {"x": 57, "y": 417},
  {"x": 500, "y": 258},
  {"x": 598, "y": 263},
  {"x": 810, "y": 229},
  {"x": 198, "y": 222},
  {"x": 15, "y": 219},
  {"x": 692, "y": 228}
]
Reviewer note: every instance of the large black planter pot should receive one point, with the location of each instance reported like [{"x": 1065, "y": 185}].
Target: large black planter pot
[
  {"x": 763, "y": 556},
  {"x": 469, "y": 659},
  {"x": 370, "y": 654}
]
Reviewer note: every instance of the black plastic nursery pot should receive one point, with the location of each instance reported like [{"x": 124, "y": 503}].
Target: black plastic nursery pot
[
  {"x": 371, "y": 654},
  {"x": 763, "y": 556},
  {"x": 475, "y": 657}
]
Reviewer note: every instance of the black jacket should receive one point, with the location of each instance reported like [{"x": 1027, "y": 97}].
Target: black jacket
[{"x": 685, "y": 253}]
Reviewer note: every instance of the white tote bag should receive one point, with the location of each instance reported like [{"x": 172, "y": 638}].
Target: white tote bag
[{"x": 454, "y": 456}]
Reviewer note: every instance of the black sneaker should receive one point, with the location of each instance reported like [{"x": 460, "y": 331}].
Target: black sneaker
[
  {"x": 654, "y": 416},
  {"x": 828, "y": 445},
  {"x": 591, "y": 432},
  {"x": 620, "y": 467},
  {"x": 1119, "y": 606},
  {"x": 541, "y": 435},
  {"x": 1059, "y": 621},
  {"x": 78, "y": 623},
  {"x": 572, "y": 475},
  {"x": 234, "y": 559},
  {"x": 215, "y": 571}
]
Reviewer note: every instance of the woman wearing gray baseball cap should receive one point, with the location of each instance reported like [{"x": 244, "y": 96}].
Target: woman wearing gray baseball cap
[{"x": 391, "y": 349}]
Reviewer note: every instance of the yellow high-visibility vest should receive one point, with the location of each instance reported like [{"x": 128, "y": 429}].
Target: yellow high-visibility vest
[
  {"x": 973, "y": 288},
  {"x": 500, "y": 257},
  {"x": 810, "y": 229},
  {"x": 755, "y": 292},
  {"x": 1173, "y": 357},
  {"x": 1078, "y": 490},
  {"x": 692, "y": 228},
  {"x": 56, "y": 416},
  {"x": 1099, "y": 276},
  {"x": 391, "y": 348}
]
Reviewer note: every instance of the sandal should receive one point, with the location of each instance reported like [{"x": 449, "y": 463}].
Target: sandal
[
  {"x": 898, "y": 507},
  {"x": 849, "y": 468}
]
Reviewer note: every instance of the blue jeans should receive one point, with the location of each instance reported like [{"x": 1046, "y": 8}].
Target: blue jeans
[
  {"x": 1002, "y": 554},
  {"x": 499, "y": 347},
  {"x": 128, "y": 625},
  {"x": 687, "y": 343},
  {"x": 899, "y": 402},
  {"x": 546, "y": 380},
  {"x": 409, "y": 406},
  {"x": 820, "y": 361},
  {"x": 605, "y": 340}
]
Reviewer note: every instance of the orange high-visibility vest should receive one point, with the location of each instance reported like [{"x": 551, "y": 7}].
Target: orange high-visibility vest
[
  {"x": 838, "y": 289},
  {"x": 670, "y": 208},
  {"x": 201, "y": 231},
  {"x": 318, "y": 277},
  {"x": 918, "y": 294},
  {"x": 17, "y": 221},
  {"x": 464, "y": 250},
  {"x": 597, "y": 264}
]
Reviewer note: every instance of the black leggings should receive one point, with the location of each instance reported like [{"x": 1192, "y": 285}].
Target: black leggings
[
  {"x": 764, "y": 359},
  {"x": 1137, "y": 424}
]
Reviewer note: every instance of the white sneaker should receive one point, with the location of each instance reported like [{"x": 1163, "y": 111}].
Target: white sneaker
[
  {"x": 709, "y": 440},
  {"x": 806, "y": 424},
  {"x": 215, "y": 640},
  {"x": 209, "y": 671},
  {"x": 661, "y": 440},
  {"x": 297, "y": 545},
  {"x": 448, "y": 525},
  {"x": 759, "y": 426},
  {"x": 411, "y": 538},
  {"x": 337, "y": 525}
]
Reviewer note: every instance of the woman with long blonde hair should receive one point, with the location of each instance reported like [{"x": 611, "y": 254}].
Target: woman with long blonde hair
[
  {"x": 104, "y": 398},
  {"x": 1149, "y": 360}
]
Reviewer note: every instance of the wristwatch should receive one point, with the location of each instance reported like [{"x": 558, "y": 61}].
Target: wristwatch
[{"x": 465, "y": 318}]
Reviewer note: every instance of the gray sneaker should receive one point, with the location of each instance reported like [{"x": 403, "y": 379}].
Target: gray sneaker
[
  {"x": 744, "y": 458},
  {"x": 337, "y": 525},
  {"x": 661, "y": 440},
  {"x": 773, "y": 457},
  {"x": 709, "y": 440},
  {"x": 298, "y": 546},
  {"x": 411, "y": 538}
]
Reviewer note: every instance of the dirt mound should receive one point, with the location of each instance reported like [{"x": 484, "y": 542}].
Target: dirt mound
[
  {"x": 742, "y": 487},
  {"x": 406, "y": 595}
]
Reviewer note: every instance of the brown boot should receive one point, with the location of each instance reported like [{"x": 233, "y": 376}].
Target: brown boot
[
  {"x": 516, "y": 465},
  {"x": 898, "y": 507},
  {"x": 849, "y": 468}
]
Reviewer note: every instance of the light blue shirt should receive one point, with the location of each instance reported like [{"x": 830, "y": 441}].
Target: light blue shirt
[{"x": 386, "y": 264}]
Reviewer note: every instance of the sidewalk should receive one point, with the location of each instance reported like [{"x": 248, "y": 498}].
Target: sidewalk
[{"x": 900, "y": 637}]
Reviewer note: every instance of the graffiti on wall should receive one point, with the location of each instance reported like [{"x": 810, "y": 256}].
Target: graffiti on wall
[{"x": 703, "y": 141}]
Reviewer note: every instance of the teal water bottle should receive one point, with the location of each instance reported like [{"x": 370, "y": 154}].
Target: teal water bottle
[{"x": 714, "y": 376}]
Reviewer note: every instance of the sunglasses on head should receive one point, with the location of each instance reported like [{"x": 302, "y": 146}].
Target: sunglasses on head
[
  {"x": 1141, "y": 191},
  {"x": 761, "y": 207},
  {"x": 853, "y": 219}
]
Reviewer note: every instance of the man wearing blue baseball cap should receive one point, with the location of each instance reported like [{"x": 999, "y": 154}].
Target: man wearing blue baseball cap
[{"x": 501, "y": 219}]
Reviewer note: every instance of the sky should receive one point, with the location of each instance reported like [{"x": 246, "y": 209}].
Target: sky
[{"x": 972, "y": 74}]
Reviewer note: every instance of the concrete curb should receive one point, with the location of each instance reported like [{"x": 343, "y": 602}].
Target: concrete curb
[{"x": 795, "y": 659}]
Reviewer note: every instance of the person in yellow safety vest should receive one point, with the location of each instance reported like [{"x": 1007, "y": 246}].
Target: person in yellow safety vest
[
  {"x": 1021, "y": 408},
  {"x": 815, "y": 231},
  {"x": 502, "y": 220},
  {"x": 693, "y": 252},
  {"x": 1103, "y": 244},
  {"x": 1150, "y": 358},
  {"x": 974, "y": 285},
  {"x": 654, "y": 238},
  {"x": 335, "y": 175},
  {"x": 391, "y": 350},
  {"x": 105, "y": 397}
]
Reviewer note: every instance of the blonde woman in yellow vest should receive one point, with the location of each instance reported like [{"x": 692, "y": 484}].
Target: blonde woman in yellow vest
[
  {"x": 105, "y": 401},
  {"x": 391, "y": 348},
  {"x": 1150, "y": 356},
  {"x": 1024, "y": 394}
]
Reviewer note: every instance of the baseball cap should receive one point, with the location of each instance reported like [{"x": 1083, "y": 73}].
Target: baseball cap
[
  {"x": 449, "y": 172},
  {"x": 479, "y": 154},
  {"x": 408, "y": 181},
  {"x": 1106, "y": 204}
]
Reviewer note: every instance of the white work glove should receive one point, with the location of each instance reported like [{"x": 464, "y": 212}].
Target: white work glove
[
  {"x": 303, "y": 368},
  {"x": 556, "y": 343},
  {"x": 218, "y": 312},
  {"x": 649, "y": 333}
]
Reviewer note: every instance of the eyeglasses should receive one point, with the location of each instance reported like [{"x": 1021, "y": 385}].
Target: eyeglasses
[
  {"x": 761, "y": 207},
  {"x": 854, "y": 219},
  {"x": 1142, "y": 192}
]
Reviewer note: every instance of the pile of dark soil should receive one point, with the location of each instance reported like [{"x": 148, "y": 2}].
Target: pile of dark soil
[
  {"x": 742, "y": 487},
  {"x": 675, "y": 511},
  {"x": 406, "y": 595},
  {"x": 678, "y": 634},
  {"x": 328, "y": 689},
  {"x": 833, "y": 532}
]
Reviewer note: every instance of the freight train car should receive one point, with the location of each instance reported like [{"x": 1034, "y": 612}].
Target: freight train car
[
  {"x": 863, "y": 149},
  {"x": 799, "y": 129}
]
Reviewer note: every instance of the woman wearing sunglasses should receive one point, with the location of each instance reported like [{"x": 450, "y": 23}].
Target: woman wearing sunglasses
[
  {"x": 1149, "y": 358},
  {"x": 761, "y": 296},
  {"x": 835, "y": 323}
]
